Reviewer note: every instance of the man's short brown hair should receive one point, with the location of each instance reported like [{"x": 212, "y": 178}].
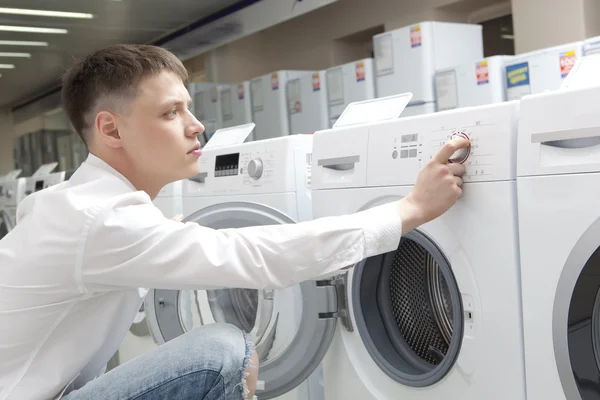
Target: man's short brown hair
[{"x": 110, "y": 75}]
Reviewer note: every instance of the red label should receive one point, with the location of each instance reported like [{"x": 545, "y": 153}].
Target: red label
[
  {"x": 316, "y": 82},
  {"x": 298, "y": 106},
  {"x": 415, "y": 36},
  {"x": 241, "y": 91},
  {"x": 275, "y": 81},
  {"x": 360, "y": 71},
  {"x": 567, "y": 60},
  {"x": 482, "y": 73}
]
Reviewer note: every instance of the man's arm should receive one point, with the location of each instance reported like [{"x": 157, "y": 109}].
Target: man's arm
[{"x": 131, "y": 244}]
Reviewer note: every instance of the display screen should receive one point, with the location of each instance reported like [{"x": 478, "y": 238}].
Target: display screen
[
  {"x": 39, "y": 185},
  {"x": 227, "y": 164}
]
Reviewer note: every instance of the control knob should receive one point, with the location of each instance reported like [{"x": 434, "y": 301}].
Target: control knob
[
  {"x": 255, "y": 168},
  {"x": 461, "y": 155}
]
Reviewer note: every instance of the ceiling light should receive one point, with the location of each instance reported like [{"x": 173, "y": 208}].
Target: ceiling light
[
  {"x": 31, "y": 29},
  {"x": 23, "y": 55},
  {"x": 7, "y": 66},
  {"x": 22, "y": 43},
  {"x": 45, "y": 13}
]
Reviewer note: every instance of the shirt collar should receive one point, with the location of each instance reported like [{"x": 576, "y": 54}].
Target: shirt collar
[{"x": 99, "y": 163}]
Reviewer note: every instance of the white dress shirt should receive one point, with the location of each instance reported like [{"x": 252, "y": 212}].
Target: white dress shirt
[{"x": 70, "y": 270}]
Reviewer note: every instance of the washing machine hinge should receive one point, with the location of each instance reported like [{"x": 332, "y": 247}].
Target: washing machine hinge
[{"x": 339, "y": 283}]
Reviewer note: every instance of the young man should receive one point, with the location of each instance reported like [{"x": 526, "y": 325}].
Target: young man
[{"x": 70, "y": 270}]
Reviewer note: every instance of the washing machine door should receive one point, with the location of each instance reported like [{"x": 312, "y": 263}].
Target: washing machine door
[
  {"x": 5, "y": 223},
  {"x": 292, "y": 328},
  {"x": 576, "y": 319}
]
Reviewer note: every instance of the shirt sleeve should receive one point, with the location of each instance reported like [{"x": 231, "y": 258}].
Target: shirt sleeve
[{"x": 134, "y": 245}]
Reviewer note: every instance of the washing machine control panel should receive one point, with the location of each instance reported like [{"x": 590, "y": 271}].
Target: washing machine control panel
[
  {"x": 268, "y": 166},
  {"x": 400, "y": 149}
]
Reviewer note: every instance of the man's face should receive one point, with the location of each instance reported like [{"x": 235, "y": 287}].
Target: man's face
[{"x": 159, "y": 133}]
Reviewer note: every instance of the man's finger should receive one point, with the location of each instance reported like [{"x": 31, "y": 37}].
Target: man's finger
[
  {"x": 449, "y": 148},
  {"x": 457, "y": 169},
  {"x": 458, "y": 180}
]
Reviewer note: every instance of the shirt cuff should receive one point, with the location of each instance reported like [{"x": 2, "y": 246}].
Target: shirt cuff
[{"x": 382, "y": 229}]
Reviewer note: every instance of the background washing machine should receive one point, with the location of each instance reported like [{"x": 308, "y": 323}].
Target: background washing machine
[
  {"x": 12, "y": 191},
  {"x": 406, "y": 59},
  {"x": 269, "y": 103},
  {"x": 473, "y": 83},
  {"x": 540, "y": 70},
  {"x": 439, "y": 318},
  {"x": 347, "y": 84},
  {"x": 307, "y": 103},
  {"x": 252, "y": 184},
  {"x": 559, "y": 217}
]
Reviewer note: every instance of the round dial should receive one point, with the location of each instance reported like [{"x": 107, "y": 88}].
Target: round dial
[
  {"x": 9, "y": 194},
  {"x": 255, "y": 168},
  {"x": 460, "y": 156}
]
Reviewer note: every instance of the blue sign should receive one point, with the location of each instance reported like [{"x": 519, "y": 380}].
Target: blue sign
[{"x": 517, "y": 75}]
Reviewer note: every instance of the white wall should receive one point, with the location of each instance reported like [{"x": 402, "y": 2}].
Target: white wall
[{"x": 546, "y": 23}]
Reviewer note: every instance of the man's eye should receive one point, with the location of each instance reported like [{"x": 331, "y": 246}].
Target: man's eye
[{"x": 172, "y": 113}]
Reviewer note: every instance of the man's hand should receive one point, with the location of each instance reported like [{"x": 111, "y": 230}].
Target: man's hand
[
  {"x": 438, "y": 187},
  {"x": 178, "y": 218}
]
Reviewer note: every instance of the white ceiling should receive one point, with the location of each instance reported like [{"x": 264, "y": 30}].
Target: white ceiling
[{"x": 115, "y": 21}]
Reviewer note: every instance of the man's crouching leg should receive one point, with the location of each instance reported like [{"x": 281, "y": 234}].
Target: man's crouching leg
[{"x": 214, "y": 362}]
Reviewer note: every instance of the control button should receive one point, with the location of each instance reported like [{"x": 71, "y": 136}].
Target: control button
[
  {"x": 255, "y": 168},
  {"x": 395, "y": 154},
  {"x": 412, "y": 153},
  {"x": 461, "y": 155},
  {"x": 9, "y": 194},
  {"x": 403, "y": 153}
]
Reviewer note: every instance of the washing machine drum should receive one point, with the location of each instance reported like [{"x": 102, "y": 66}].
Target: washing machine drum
[{"x": 408, "y": 311}]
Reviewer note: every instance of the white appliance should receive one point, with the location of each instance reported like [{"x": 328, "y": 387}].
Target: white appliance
[
  {"x": 591, "y": 46},
  {"x": 473, "y": 83},
  {"x": 250, "y": 184},
  {"x": 205, "y": 98},
  {"x": 12, "y": 191},
  {"x": 236, "y": 106},
  {"x": 406, "y": 59},
  {"x": 559, "y": 218},
  {"x": 439, "y": 318},
  {"x": 347, "y": 84},
  {"x": 540, "y": 70},
  {"x": 39, "y": 182},
  {"x": 269, "y": 104},
  {"x": 307, "y": 103}
]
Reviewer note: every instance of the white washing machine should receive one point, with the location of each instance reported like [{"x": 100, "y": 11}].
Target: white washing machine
[
  {"x": 307, "y": 103},
  {"x": 251, "y": 184},
  {"x": 472, "y": 83},
  {"x": 439, "y": 318},
  {"x": 42, "y": 181},
  {"x": 269, "y": 103},
  {"x": 12, "y": 191},
  {"x": 348, "y": 83},
  {"x": 559, "y": 217},
  {"x": 540, "y": 70}
]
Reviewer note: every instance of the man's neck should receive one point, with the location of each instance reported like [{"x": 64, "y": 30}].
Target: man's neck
[{"x": 138, "y": 179}]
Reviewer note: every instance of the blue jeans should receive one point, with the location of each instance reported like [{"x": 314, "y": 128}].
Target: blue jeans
[{"x": 208, "y": 363}]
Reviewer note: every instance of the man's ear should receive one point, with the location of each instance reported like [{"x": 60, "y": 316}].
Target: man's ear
[{"x": 108, "y": 130}]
